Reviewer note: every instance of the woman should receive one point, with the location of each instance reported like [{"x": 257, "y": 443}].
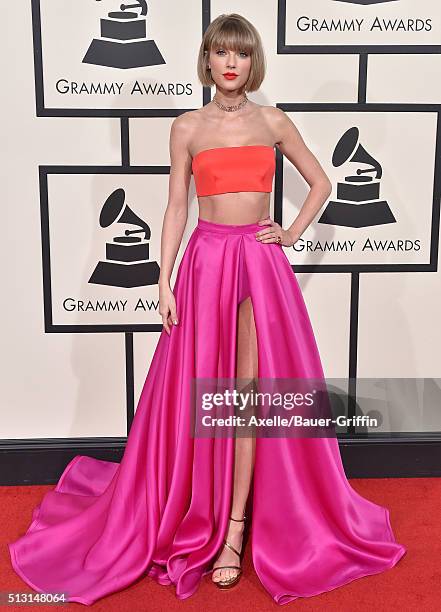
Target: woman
[{"x": 174, "y": 507}]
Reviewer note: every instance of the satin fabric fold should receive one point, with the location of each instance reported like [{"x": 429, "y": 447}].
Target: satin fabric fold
[{"x": 163, "y": 511}]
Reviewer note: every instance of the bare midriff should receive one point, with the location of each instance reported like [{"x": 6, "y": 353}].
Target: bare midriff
[{"x": 236, "y": 208}]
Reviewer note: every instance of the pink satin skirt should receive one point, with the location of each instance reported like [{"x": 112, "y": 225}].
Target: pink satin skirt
[{"x": 163, "y": 511}]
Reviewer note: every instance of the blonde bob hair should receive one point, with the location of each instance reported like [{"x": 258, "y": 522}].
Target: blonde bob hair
[{"x": 236, "y": 33}]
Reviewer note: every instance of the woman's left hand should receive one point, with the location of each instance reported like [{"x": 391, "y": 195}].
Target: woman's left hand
[{"x": 274, "y": 233}]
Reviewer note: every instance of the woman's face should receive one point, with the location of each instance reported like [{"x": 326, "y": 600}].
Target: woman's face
[{"x": 226, "y": 63}]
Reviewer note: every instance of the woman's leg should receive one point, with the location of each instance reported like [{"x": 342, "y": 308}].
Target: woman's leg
[{"x": 247, "y": 368}]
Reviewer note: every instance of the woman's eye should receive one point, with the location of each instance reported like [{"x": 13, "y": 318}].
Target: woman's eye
[{"x": 242, "y": 53}]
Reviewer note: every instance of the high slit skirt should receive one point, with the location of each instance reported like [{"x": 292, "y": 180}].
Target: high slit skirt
[{"x": 163, "y": 511}]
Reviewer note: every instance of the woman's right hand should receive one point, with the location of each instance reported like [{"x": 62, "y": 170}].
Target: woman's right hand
[{"x": 167, "y": 307}]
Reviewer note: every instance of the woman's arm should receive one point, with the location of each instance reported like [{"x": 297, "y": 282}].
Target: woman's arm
[
  {"x": 175, "y": 217},
  {"x": 292, "y": 145}
]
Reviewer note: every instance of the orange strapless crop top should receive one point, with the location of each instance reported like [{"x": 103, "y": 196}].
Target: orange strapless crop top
[{"x": 230, "y": 169}]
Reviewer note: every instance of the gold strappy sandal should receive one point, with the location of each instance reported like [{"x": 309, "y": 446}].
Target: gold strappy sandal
[{"x": 230, "y": 582}]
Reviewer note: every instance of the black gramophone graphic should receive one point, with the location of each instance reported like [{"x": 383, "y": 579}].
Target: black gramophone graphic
[
  {"x": 358, "y": 203},
  {"x": 127, "y": 256},
  {"x": 123, "y": 42}
]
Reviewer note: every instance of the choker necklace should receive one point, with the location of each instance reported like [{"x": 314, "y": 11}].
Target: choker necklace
[{"x": 232, "y": 107}]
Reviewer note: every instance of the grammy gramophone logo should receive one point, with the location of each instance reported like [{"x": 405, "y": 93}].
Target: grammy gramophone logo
[
  {"x": 123, "y": 42},
  {"x": 127, "y": 256},
  {"x": 358, "y": 202}
]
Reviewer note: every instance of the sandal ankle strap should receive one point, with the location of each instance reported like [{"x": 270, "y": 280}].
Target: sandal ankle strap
[{"x": 242, "y": 520}]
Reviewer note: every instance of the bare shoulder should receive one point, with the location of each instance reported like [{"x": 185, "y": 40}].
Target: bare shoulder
[
  {"x": 280, "y": 123},
  {"x": 183, "y": 123},
  {"x": 277, "y": 120},
  {"x": 181, "y": 131},
  {"x": 185, "y": 126},
  {"x": 271, "y": 112}
]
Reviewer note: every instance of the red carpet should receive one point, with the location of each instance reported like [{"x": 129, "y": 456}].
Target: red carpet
[{"x": 415, "y": 508}]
